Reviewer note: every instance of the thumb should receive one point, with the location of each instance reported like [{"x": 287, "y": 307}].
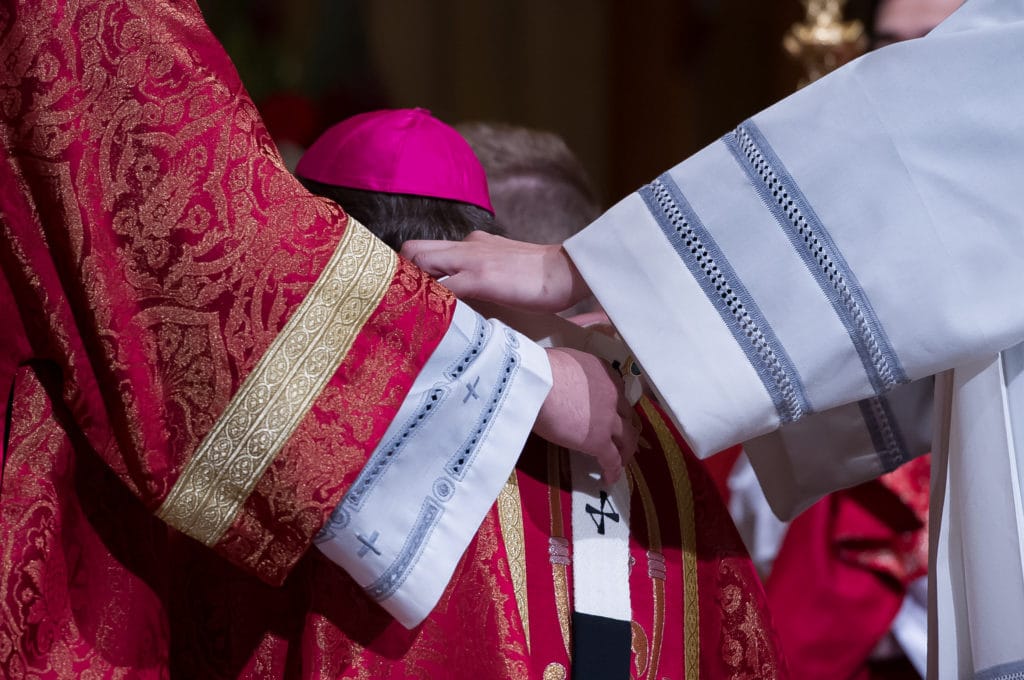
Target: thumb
[
  {"x": 611, "y": 465},
  {"x": 463, "y": 285}
]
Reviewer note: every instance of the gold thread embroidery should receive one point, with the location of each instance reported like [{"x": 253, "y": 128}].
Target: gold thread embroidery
[
  {"x": 559, "y": 571},
  {"x": 639, "y": 647},
  {"x": 657, "y": 576},
  {"x": 554, "y": 671},
  {"x": 688, "y": 535},
  {"x": 279, "y": 391},
  {"x": 510, "y": 518},
  {"x": 746, "y": 645}
]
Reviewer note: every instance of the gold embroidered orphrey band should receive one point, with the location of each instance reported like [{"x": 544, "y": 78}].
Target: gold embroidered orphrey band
[
  {"x": 688, "y": 534},
  {"x": 281, "y": 389},
  {"x": 510, "y": 519}
]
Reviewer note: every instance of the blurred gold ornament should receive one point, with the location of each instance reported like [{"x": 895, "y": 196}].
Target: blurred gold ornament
[{"x": 824, "y": 42}]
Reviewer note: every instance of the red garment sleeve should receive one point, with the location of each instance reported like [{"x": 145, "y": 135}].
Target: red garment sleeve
[{"x": 232, "y": 347}]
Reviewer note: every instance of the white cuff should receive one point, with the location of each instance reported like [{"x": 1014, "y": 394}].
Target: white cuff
[
  {"x": 842, "y": 447},
  {"x": 701, "y": 374},
  {"x": 734, "y": 297},
  {"x": 403, "y": 525}
]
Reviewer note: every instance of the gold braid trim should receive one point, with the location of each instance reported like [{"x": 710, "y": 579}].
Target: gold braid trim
[
  {"x": 510, "y": 518},
  {"x": 658, "y": 584},
  {"x": 281, "y": 389},
  {"x": 559, "y": 572},
  {"x": 688, "y": 534}
]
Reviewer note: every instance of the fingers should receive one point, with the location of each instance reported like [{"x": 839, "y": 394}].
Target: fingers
[
  {"x": 455, "y": 261},
  {"x": 611, "y": 466},
  {"x": 415, "y": 246},
  {"x": 426, "y": 255},
  {"x": 624, "y": 432},
  {"x": 463, "y": 285},
  {"x": 478, "y": 235},
  {"x": 437, "y": 261},
  {"x": 604, "y": 426},
  {"x": 624, "y": 408},
  {"x": 625, "y": 442},
  {"x": 630, "y": 443},
  {"x": 420, "y": 248}
]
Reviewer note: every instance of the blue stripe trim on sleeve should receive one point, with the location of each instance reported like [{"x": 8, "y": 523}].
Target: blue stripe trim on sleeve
[
  {"x": 884, "y": 431},
  {"x": 1004, "y": 671},
  {"x": 811, "y": 239},
  {"x": 396, "y": 574},
  {"x": 726, "y": 292}
]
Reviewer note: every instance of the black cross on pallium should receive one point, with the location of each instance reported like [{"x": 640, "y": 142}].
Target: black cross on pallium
[{"x": 599, "y": 514}]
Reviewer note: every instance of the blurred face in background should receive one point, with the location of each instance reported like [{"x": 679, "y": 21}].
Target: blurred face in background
[{"x": 898, "y": 20}]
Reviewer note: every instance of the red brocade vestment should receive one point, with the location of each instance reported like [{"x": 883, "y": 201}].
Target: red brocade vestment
[
  {"x": 698, "y": 608},
  {"x": 169, "y": 295}
]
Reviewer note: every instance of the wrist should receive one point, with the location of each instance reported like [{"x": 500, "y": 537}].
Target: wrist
[
  {"x": 563, "y": 276},
  {"x": 561, "y": 373}
]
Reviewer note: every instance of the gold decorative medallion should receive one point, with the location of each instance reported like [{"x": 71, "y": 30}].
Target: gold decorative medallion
[{"x": 554, "y": 671}]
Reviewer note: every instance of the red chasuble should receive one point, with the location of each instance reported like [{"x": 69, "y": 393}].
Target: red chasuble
[{"x": 197, "y": 359}]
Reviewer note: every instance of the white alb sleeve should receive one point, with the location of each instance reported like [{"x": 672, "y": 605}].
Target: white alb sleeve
[
  {"x": 404, "y": 524},
  {"x": 866, "y": 232}
]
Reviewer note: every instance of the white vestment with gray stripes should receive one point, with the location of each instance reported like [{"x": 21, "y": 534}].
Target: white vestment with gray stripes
[{"x": 811, "y": 280}]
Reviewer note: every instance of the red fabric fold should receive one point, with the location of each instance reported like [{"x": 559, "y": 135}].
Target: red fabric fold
[{"x": 842, "y": 572}]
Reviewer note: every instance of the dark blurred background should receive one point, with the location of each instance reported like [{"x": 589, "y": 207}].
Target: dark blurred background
[{"x": 634, "y": 87}]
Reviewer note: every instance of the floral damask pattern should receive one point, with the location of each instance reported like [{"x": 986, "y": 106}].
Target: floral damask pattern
[
  {"x": 159, "y": 248},
  {"x": 80, "y": 574},
  {"x": 748, "y": 648},
  {"x": 92, "y": 585},
  {"x": 153, "y": 247}
]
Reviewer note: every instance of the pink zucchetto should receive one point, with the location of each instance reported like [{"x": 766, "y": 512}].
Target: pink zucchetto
[{"x": 398, "y": 151}]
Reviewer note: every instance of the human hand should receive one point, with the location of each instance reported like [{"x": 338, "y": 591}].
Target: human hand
[
  {"x": 494, "y": 269},
  {"x": 587, "y": 412}
]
